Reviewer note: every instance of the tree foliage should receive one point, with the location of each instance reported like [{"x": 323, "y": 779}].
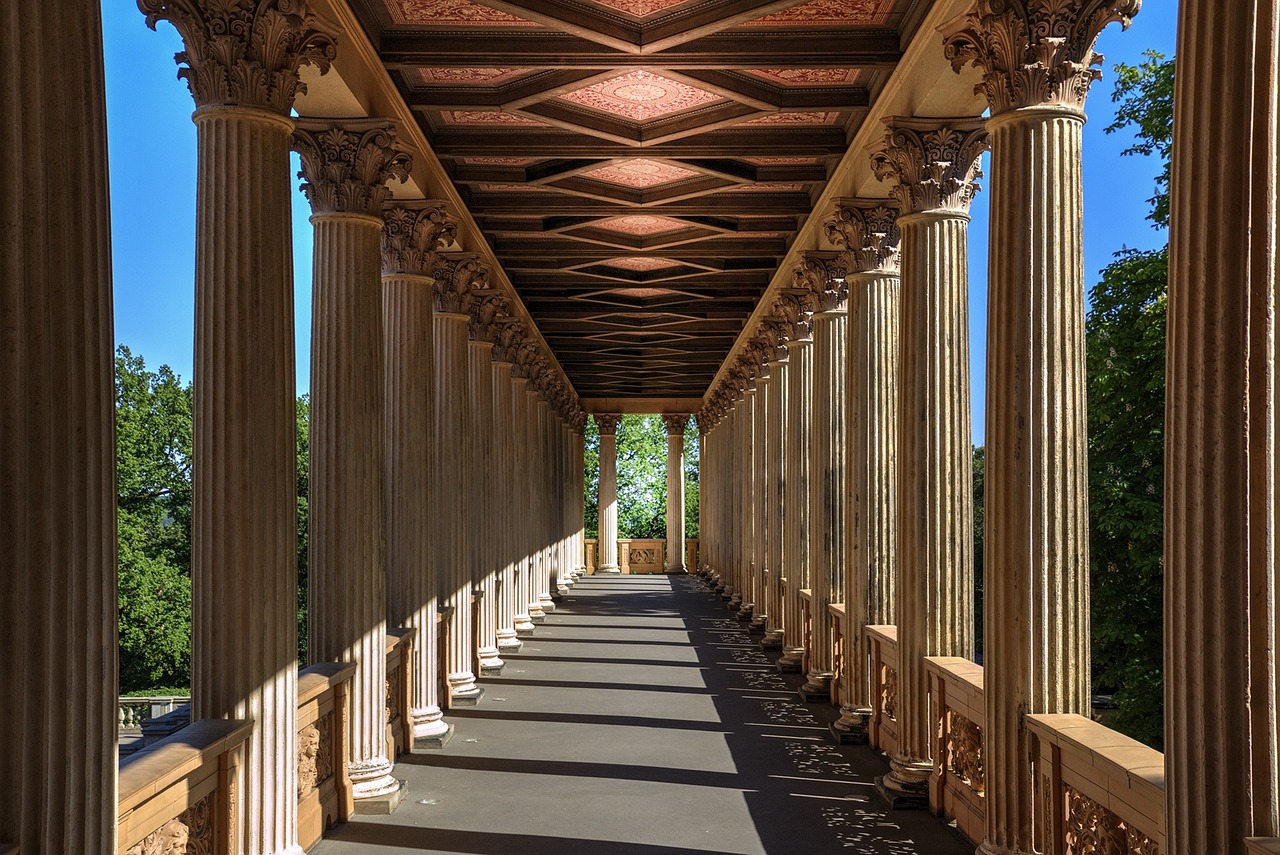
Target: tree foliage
[
  {"x": 1125, "y": 354},
  {"x": 979, "y": 543},
  {"x": 302, "y": 429},
  {"x": 642, "y": 477}
]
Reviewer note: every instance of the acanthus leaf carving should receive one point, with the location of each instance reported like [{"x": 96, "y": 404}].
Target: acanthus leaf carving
[
  {"x": 1034, "y": 52},
  {"x": 457, "y": 275},
  {"x": 245, "y": 52},
  {"x": 935, "y": 165},
  {"x": 190, "y": 833},
  {"x": 866, "y": 233},
  {"x": 607, "y": 423},
  {"x": 675, "y": 423},
  {"x": 346, "y": 163},
  {"x": 413, "y": 233}
]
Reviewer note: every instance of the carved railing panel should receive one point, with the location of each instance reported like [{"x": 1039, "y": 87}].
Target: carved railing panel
[
  {"x": 889, "y": 693},
  {"x": 882, "y": 642},
  {"x": 324, "y": 790},
  {"x": 957, "y": 786},
  {"x": 189, "y": 833}
]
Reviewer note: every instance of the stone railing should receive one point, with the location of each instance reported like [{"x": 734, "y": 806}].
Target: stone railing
[
  {"x": 178, "y": 795},
  {"x": 592, "y": 551},
  {"x": 882, "y": 642},
  {"x": 637, "y": 555},
  {"x": 806, "y": 630},
  {"x": 840, "y": 691},
  {"x": 132, "y": 712},
  {"x": 957, "y": 787},
  {"x": 1097, "y": 790},
  {"x": 399, "y": 674},
  {"x": 324, "y": 790},
  {"x": 1254, "y": 845},
  {"x": 692, "y": 554}
]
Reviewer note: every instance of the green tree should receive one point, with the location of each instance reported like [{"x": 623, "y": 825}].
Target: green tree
[
  {"x": 692, "y": 496},
  {"x": 153, "y": 497},
  {"x": 591, "y": 475},
  {"x": 303, "y": 440},
  {"x": 642, "y": 477},
  {"x": 1125, "y": 354},
  {"x": 979, "y": 542}
]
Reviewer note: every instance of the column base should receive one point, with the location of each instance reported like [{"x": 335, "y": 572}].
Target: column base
[
  {"x": 988, "y": 848},
  {"x": 548, "y": 605},
  {"x": 734, "y": 602},
  {"x": 791, "y": 660},
  {"x": 608, "y": 570},
  {"x": 508, "y": 641},
  {"x": 851, "y": 728},
  {"x": 463, "y": 691},
  {"x": 373, "y": 789},
  {"x": 490, "y": 663},
  {"x": 817, "y": 688},
  {"x": 906, "y": 787},
  {"x": 383, "y": 805},
  {"x": 759, "y": 623},
  {"x": 524, "y": 625},
  {"x": 745, "y": 613},
  {"x": 772, "y": 640},
  {"x": 679, "y": 569},
  {"x": 428, "y": 730},
  {"x": 562, "y": 590}
]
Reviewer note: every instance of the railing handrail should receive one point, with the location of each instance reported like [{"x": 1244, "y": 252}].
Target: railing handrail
[{"x": 155, "y": 768}]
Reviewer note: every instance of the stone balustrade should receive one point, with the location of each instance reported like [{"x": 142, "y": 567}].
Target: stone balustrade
[
  {"x": 840, "y": 693},
  {"x": 179, "y": 794},
  {"x": 806, "y": 632},
  {"x": 957, "y": 785},
  {"x": 1255, "y": 846},
  {"x": 882, "y": 643},
  {"x": 400, "y": 644},
  {"x": 1097, "y": 790},
  {"x": 133, "y": 711},
  {"x": 591, "y": 553},
  {"x": 324, "y": 789},
  {"x": 692, "y": 554},
  {"x": 641, "y": 555}
]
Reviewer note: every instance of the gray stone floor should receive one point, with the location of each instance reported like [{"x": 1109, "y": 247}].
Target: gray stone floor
[{"x": 641, "y": 719}]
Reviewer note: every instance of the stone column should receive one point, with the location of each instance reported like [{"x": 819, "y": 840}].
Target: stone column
[
  {"x": 456, "y": 275},
  {"x": 57, "y": 462},
  {"x": 729, "y": 529},
  {"x": 577, "y": 460},
  {"x": 1220, "y": 445},
  {"x": 243, "y": 74},
  {"x": 536, "y": 575},
  {"x": 346, "y": 616},
  {"x": 608, "y": 492},
  {"x": 778, "y": 432},
  {"x": 505, "y": 461},
  {"x": 935, "y": 167},
  {"x": 795, "y": 533},
  {"x": 825, "y": 278},
  {"x": 523, "y": 514},
  {"x": 545, "y": 492},
  {"x": 675, "y": 425},
  {"x": 744, "y": 471},
  {"x": 760, "y": 450},
  {"x": 412, "y": 232},
  {"x": 488, "y": 310},
  {"x": 867, "y": 233},
  {"x": 1037, "y": 607}
]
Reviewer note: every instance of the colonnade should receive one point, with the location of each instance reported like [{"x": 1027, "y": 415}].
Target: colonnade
[{"x": 906, "y": 510}]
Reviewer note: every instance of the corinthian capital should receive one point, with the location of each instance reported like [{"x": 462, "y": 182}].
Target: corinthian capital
[
  {"x": 490, "y": 312},
  {"x": 457, "y": 275},
  {"x": 412, "y": 233},
  {"x": 935, "y": 163},
  {"x": 245, "y": 52},
  {"x": 608, "y": 423},
  {"x": 822, "y": 276},
  {"x": 675, "y": 423},
  {"x": 866, "y": 233},
  {"x": 1034, "y": 52},
  {"x": 346, "y": 163}
]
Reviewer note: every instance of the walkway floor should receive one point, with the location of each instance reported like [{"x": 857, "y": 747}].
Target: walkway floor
[{"x": 641, "y": 719}]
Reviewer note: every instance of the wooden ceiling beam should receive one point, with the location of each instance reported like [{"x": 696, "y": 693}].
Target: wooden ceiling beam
[{"x": 763, "y": 142}]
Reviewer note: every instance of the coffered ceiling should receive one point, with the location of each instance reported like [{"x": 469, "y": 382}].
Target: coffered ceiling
[{"x": 639, "y": 167}]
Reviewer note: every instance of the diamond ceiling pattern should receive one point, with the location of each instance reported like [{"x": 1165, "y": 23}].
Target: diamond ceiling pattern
[{"x": 639, "y": 167}]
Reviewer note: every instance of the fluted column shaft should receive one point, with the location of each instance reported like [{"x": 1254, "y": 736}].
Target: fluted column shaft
[
  {"x": 412, "y": 578},
  {"x": 775, "y": 486},
  {"x": 346, "y": 617},
  {"x": 57, "y": 464},
  {"x": 1036, "y": 655},
  {"x": 732, "y": 494},
  {"x": 795, "y": 532},
  {"x": 537, "y": 577},
  {"x": 540, "y": 594},
  {"x": 505, "y": 465},
  {"x": 744, "y": 470},
  {"x": 481, "y": 510},
  {"x": 760, "y": 450},
  {"x": 450, "y": 549},
  {"x": 935, "y": 464},
  {"x": 1220, "y": 616},
  {"x": 827, "y": 492},
  {"x": 675, "y": 494},
  {"x": 871, "y": 527},
  {"x": 608, "y": 518},
  {"x": 523, "y": 513}
]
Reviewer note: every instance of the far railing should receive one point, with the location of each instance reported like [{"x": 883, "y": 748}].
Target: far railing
[
  {"x": 641, "y": 555},
  {"x": 957, "y": 786},
  {"x": 882, "y": 642},
  {"x": 399, "y": 674},
  {"x": 324, "y": 790},
  {"x": 133, "y": 711}
]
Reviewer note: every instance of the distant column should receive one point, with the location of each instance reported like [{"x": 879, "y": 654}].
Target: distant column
[
  {"x": 779, "y": 332},
  {"x": 243, "y": 74},
  {"x": 346, "y": 617},
  {"x": 935, "y": 167},
  {"x": 867, "y": 233},
  {"x": 675, "y": 424},
  {"x": 522, "y": 521},
  {"x": 608, "y": 424},
  {"x": 57, "y": 461},
  {"x": 1037, "y": 67},
  {"x": 1220, "y": 618},
  {"x": 411, "y": 235},
  {"x": 505, "y": 507},
  {"x": 488, "y": 311},
  {"x": 795, "y": 533}
]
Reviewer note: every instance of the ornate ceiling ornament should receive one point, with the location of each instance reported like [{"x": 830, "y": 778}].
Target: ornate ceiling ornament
[
  {"x": 245, "y": 52},
  {"x": 412, "y": 233},
  {"x": 675, "y": 423},
  {"x": 1034, "y": 52},
  {"x": 346, "y": 163},
  {"x": 457, "y": 275},
  {"x": 608, "y": 423},
  {"x": 866, "y": 232},
  {"x": 936, "y": 164}
]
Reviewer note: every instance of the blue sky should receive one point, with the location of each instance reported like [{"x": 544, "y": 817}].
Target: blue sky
[{"x": 153, "y": 149}]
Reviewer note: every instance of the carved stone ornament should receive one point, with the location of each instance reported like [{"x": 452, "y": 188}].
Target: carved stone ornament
[
  {"x": 490, "y": 312},
  {"x": 608, "y": 423},
  {"x": 889, "y": 693},
  {"x": 964, "y": 752},
  {"x": 823, "y": 276},
  {"x": 936, "y": 166},
  {"x": 1034, "y": 52},
  {"x": 508, "y": 334},
  {"x": 1092, "y": 829},
  {"x": 412, "y": 233},
  {"x": 525, "y": 358},
  {"x": 245, "y": 52},
  {"x": 457, "y": 275},
  {"x": 866, "y": 232},
  {"x": 346, "y": 163},
  {"x": 795, "y": 306},
  {"x": 191, "y": 833}
]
